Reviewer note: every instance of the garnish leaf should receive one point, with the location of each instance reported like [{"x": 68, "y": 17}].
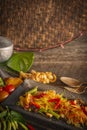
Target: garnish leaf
[{"x": 21, "y": 61}]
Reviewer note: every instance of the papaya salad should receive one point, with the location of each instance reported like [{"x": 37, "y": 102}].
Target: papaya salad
[{"x": 52, "y": 104}]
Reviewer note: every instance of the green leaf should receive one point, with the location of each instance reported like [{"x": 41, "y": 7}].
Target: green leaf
[
  {"x": 1, "y": 82},
  {"x": 21, "y": 61}
]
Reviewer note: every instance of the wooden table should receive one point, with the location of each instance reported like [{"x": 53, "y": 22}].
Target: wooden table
[{"x": 70, "y": 61}]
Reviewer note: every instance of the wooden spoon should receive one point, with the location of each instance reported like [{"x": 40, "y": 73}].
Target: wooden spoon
[
  {"x": 74, "y": 85},
  {"x": 71, "y": 82}
]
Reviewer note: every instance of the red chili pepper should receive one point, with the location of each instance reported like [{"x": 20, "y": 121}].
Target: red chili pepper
[
  {"x": 57, "y": 105},
  {"x": 39, "y": 95},
  {"x": 36, "y": 105},
  {"x": 54, "y": 100},
  {"x": 84, "y": 110},
  {"x": 30, "y": 127},
  {"x": 72, "y": 102},
  {"x": 26, "y": 106}
]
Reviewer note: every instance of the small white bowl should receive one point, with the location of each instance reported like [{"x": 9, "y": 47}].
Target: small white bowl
[{"x": 6, "y": 49}]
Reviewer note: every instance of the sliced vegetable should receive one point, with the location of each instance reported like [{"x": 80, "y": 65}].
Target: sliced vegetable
[
  {"x": 56, "y": 115},
  {"x": 3, "y": 114},
  {"x": 21, "y": 61},
  {"x": 14, "y": 81},
  {"x": 23, "y": 126},
  {"x": 17, "y": 116},
  {"x": 72, "y": 102},
  {"x": 51, "y": 104},
  {"x": 84, "y": 109},
  {"x": 1, "y": 82},
  {"x": 32, "y": 91},
  {"x": 9, "y": 88},
  {"x": 57, "y": 104},
  {"x": 40, "y": 95},
  {"x": 30, "y": 127},
  {"x": 35, "y": 104},
  {"x": 3, "y": 95},
  {"x": 56, "y": 101},
  {"x": 11, "y": 120}
]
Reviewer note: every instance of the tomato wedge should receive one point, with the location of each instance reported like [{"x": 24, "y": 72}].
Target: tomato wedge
[
  {"x": 3, "y": 95},
  {"x": 1, "y": 88},
  {"x": 9, "y": 88}
]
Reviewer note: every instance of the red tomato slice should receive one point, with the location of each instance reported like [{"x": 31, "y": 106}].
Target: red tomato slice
[
  {"x": 3, "y": 95},
  {"x": 9, "y": 88}
]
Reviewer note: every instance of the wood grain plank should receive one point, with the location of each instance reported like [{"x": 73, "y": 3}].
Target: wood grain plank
[{"x": 70, "y": 61}]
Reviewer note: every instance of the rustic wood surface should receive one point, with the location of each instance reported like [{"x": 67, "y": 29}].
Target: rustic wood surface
[{"x": 70, "y": 61}]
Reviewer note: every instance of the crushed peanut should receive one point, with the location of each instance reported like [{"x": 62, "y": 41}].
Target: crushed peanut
[{"x": 44, "y": 77}]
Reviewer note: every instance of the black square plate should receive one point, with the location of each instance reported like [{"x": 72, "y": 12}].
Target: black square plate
[{"x": 37, "y": 118}]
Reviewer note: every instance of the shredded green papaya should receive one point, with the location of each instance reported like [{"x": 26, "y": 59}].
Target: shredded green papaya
[{"x": 55, "y": 105}]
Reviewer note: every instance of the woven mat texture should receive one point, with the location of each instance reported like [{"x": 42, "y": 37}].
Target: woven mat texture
[{"x": 42, "y": 23}]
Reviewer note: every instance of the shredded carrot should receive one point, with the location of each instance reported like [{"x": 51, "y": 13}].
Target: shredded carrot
[{"x": 53, "y": 104}]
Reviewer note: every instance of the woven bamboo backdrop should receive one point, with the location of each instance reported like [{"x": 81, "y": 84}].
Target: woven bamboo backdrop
[{"x": 42, "y": 23}]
